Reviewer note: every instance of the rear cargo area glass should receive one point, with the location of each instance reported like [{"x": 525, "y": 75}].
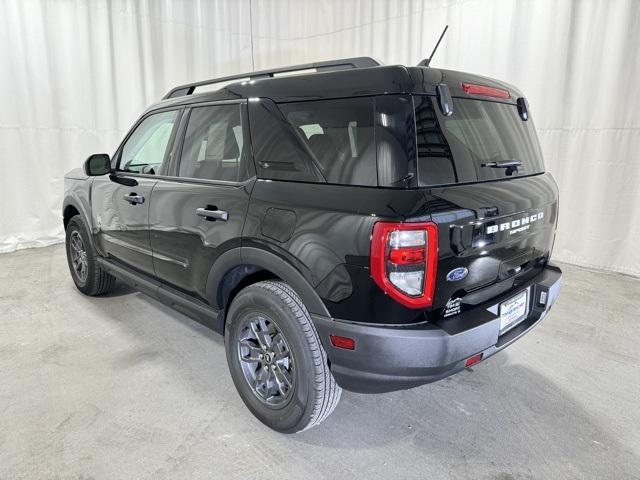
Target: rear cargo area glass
[
  {"x": 340, "y": 136},
  {"x": 453, "y": 149}
]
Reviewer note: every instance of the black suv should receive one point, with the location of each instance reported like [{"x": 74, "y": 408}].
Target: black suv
[{"x": 359, "y": 226}]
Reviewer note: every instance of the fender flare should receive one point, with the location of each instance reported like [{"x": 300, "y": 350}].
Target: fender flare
[
  {"x": 255, "y": 259},
  {"x": 71, "y": 201}
]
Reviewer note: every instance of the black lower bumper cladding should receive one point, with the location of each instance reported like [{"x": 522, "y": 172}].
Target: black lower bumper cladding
[{"x": 395, "y": 358}]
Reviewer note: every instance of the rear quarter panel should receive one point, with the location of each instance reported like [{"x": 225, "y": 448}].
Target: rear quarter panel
[{"x": 324, "y": 231}]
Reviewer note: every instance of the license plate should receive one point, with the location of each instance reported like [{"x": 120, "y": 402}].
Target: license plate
[{"x": 513, "y": 311}]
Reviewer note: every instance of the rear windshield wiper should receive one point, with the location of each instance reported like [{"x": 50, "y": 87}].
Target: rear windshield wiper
[{"x": 510, "y": 165}]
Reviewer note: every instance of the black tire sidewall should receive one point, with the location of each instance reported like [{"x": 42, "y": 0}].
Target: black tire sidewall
[{"x": 296, "y": 413}]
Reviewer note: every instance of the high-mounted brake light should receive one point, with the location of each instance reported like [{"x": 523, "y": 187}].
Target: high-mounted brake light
[
  {"x": 473, "y": 89},
  {"x": 404, "y": 258}
]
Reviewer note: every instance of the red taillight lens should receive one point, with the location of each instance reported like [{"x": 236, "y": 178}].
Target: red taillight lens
[
  {"x": 404, "y": 258},
  {"x": 472, "y": 89},
  {"x": 407, "y": 256}
]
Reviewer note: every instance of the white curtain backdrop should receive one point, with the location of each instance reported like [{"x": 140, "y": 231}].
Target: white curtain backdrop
[{"x": 75, "y": 74}]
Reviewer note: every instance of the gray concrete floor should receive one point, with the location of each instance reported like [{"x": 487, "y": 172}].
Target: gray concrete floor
[{"x": 123, "y": 387}]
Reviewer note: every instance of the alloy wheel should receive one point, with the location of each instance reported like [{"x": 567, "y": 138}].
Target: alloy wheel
[
  {"x": 78, "y": 256},
  {"x": 266, "y": 360}
]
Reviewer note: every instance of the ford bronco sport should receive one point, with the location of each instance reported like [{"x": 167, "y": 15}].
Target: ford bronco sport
[{"x": 359, "y": 226}]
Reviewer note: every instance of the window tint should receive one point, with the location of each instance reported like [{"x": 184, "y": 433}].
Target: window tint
[
  {"x": 396, "y": 141},
  {"x": 339, "y": 135},
  {"x": 145, "y": 149},
  {"x": 280, "y": 152},
  {"x": 213, "y": 146},
  {"x": 453, "y": 149}
]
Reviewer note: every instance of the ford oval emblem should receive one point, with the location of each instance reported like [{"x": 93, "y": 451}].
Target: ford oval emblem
[{"x": 457, "y": 274}]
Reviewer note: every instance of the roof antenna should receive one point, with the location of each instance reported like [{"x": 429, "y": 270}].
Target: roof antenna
[{"x": 427, "y": 61}]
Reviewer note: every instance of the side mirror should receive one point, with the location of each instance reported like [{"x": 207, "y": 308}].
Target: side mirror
[{"x": 97, "y": 164}]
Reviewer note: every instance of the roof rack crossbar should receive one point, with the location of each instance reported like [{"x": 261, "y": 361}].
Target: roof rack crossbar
[{"x": 342, "y": 64}]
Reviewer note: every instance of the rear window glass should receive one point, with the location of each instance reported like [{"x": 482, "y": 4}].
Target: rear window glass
[
  {"x": 454, "y": 149},
  {"x": 339, "y": 136}
]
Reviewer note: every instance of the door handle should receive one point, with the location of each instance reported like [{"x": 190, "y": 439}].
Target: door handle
[
  {"x": 134, "y": 199},
  {"x": 212, "y": 215}
]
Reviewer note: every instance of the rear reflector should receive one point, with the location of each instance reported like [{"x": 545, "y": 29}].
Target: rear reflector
[
  {"x": 472, "y": 89},
  {"x": 473, "y": 360},
  {"x": 343, "y": 342}
]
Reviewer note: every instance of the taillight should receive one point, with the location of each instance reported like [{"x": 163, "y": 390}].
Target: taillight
[
  {"x": 404, "y": 257},
  {"x": 473, "y": 89}
]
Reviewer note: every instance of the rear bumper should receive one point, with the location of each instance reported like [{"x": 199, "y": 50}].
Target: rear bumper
[{"x": 396, "y": 358}]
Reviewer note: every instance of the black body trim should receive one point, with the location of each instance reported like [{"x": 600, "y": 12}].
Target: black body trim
[
  {"x": 387, "y": 359},
  {"x": 220, "y": 283},
  {"x": 286, "y": 272},
  {"x": 204, "y": 314}
]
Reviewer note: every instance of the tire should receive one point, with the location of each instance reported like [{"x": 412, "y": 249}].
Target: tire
[
  {"x": 273, "y": 307},
  {"x": 92, "y": 279}
]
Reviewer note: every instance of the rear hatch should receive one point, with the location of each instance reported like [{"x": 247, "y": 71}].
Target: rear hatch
[{"x": 479, "y": 161}]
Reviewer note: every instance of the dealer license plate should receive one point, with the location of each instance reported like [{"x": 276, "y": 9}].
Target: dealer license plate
[{"x": 513, "y": 311}]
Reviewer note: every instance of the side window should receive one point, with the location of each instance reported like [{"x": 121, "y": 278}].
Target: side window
[
  {"x": 213, "y": 146},
  {"x": 340, "y": 136},
  {"x": 396, "y": 141},
  {"x": 146, "y": 147},
  {"x": 281, "y": 152}
]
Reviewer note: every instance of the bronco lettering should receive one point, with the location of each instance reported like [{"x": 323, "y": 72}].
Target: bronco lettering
[{"x": 515, "y": 226}]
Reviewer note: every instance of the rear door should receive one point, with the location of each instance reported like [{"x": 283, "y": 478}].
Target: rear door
[
  {"x": 121, "y": 212},
  {"x": 496, "y": 223},
  {"x": 198, "y": 211}
]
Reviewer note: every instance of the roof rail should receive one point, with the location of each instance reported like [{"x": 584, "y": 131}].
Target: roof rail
[{"x": 343, "y": 64}]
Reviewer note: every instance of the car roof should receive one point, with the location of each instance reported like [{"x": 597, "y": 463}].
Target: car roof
[{"x": 344, "y": 83}]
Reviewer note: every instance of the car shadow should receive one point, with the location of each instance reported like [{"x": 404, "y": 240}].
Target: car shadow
[
  {"x": 119, "y": 290},
  {"x": 498, "y": 410},
  {"x": 501, "y": 417}
]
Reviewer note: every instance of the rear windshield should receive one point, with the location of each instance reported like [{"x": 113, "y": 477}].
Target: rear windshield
[{"x": 454, "y": 149}]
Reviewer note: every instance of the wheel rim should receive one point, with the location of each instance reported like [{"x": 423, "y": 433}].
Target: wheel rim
[
  {"x": 78, "y": 256},
  {"x": 266, "y": 360}
]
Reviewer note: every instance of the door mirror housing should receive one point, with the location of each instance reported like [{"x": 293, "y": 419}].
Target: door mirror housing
[{"x": 97, "y": 164}]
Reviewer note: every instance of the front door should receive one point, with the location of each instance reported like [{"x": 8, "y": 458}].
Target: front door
[
  {"x": 198, "y": 212},
  {"x": 121, "y": 212}
]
